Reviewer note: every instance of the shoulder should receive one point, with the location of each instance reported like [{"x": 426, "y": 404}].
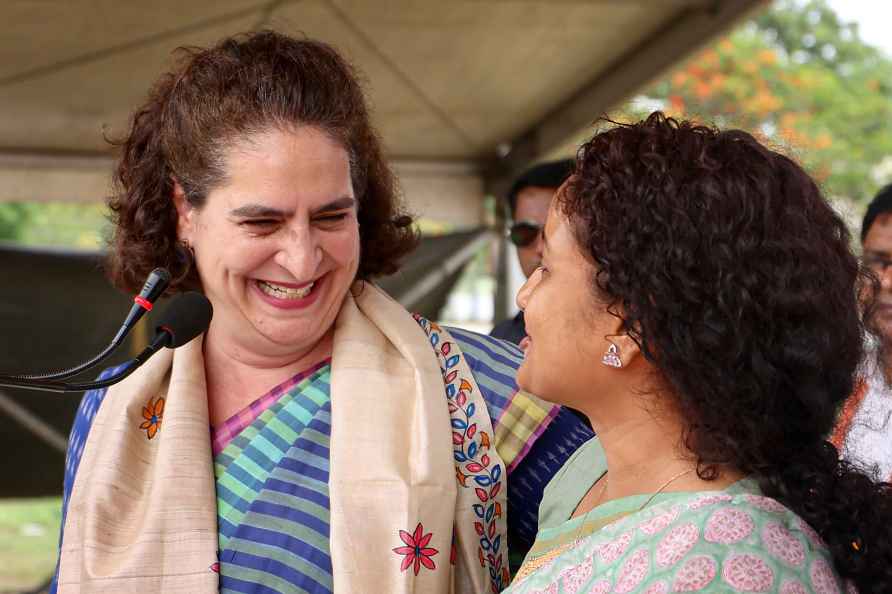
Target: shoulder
[
  {"x": 80, "y": 428},
  {"x": 570, "y": 484},
  {"x": 91, "y": 401},
  {"x": 77, "y": 439},
  {"x": 487, "y": 349},
  {"x": 744, "y": 542},
  {"x": 589, "y": 459},
  {"x": 492, "y": 362},
  {"x": 477, "y": 348}
]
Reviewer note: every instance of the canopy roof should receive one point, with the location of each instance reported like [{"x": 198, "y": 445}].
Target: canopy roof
[
  {"x": 465, "y": 93},
  {"x": 481, "y": 88}
]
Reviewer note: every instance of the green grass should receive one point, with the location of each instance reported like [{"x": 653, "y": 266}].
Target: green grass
[{"x": 29, "y": 535}]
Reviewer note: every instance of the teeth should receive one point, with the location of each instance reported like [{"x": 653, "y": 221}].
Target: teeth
[{"x": 280, "y": 292}]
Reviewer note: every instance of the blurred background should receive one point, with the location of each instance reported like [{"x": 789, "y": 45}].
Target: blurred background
[{"x": 466, "y": 95}]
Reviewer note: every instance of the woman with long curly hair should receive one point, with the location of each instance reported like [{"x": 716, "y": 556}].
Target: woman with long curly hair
[
  {"x": 698, "y": 299},
  {"x": 319, "y": 437}
]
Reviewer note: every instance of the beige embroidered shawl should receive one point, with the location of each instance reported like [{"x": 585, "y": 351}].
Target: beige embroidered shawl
[{"x": 142, "y": 514}]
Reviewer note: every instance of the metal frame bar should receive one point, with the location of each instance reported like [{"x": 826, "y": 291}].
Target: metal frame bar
[
  {"x": 693, "y": 27},
  {"x": 43, "y": 430},
  {"x": 417, "y": 292}
]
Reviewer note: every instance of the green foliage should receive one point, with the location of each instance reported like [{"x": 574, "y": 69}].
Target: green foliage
[
  {"x": 13, "y": 217},
  {"x": 804, "y": 81},
  {"x": 29, "y": 535},
  {"x": 53, "y": 224}
]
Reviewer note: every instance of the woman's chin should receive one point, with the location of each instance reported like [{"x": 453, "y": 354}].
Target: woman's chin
[
  {"x": 525, "y": 381},
  {"x": 521, "y": 377}
]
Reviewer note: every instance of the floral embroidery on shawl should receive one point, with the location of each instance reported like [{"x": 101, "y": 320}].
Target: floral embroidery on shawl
[
  {"x": 473, "y": 467},
  {"x": 416, "y": 551},
  {"x": 152, "y": 413}
]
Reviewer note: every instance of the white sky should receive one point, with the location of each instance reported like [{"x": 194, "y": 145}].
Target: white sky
[{"x": 874, "y": 18}]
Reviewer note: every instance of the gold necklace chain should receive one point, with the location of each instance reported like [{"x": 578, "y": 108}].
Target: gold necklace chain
[
  {"x": 578, "y": 536},
  {"x": 666, "y": 484},
  {"x": 530, "y": 565}
]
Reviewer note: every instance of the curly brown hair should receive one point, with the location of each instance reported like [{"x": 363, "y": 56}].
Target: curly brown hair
[
  {"x": 214, "y": 97},
  {"x": 737, "y": 280}
]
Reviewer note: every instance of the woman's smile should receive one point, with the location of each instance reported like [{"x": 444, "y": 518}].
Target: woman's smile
[
  {"x": 289, "y": 295},
  {"x": 280, "y": 291}
]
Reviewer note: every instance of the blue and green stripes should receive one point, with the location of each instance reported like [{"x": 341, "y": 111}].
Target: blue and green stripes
[{"x": 272, "y": 496}]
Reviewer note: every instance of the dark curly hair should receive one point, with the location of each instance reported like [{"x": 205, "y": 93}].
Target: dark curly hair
[
  {"x": 736, "y": 278},
  {"x": 244, "y": 85}
]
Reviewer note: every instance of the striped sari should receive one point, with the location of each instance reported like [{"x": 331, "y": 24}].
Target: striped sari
[{"x": 271, "y": 463}]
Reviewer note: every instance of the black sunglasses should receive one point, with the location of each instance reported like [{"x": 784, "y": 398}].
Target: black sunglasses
[{"x": 524, "y": 233}]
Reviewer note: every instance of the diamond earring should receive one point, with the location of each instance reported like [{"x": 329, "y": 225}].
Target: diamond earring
[{"x": 611, "y": 357}]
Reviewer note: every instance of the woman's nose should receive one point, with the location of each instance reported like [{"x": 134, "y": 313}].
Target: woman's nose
[
  {"x": 300, "y": 254},
  {"x": 523, "y": 295}
]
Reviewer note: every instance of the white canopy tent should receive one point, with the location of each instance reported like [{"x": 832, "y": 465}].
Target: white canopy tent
[{"x": 464, "y": 92}]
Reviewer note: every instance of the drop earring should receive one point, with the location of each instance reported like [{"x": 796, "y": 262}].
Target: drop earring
[{"x": 611, "y": 357}]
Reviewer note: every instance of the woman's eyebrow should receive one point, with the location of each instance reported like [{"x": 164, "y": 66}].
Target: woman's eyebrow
[
  {"x": 263, "y": 211},
  {"x": 259, "y": 210},
  {"x": 339, "y": 204}
]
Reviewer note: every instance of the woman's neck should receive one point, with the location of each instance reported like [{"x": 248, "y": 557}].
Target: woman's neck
[
  {"x": 235, "y": 380},
  {"x": 639, "y": 450},
  {"x": 645, "y": 454}
]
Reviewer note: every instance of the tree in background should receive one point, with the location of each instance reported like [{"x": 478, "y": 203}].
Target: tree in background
[
  {"x": 13, "y": 218},
  {"x": 795, "y": 75},
  {"x": 53, "y": 224},
  {"x": 800, "y": 78}
]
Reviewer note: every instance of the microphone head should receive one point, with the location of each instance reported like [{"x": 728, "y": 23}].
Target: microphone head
[
  {"x": 155, "y": 285},
  {"x": 187, "y": 315}
]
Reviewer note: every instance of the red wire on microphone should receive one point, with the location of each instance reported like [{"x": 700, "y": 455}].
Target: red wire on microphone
[{"x": 142, "y": 302}]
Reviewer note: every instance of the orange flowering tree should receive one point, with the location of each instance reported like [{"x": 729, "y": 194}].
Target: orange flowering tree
[{"x": 801, "y": 79}]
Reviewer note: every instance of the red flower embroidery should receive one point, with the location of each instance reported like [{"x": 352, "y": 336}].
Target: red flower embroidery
[
  {"x": 152, "y": 413},
  {"x": 416, "y": 551}
]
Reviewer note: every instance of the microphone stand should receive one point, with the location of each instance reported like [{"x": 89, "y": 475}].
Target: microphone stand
[
  {"x": 162, "y": 339},
  {"x": 154, "y": 286}
]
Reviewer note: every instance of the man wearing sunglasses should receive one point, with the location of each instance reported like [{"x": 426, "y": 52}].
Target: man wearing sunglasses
[
  {"x": 864, "y": 430},
  {"x": 876, "y": 244},
  {"x": 528, "y": 202}
]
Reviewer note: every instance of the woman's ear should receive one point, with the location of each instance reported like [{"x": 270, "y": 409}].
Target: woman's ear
[
  {"x": 185, "y": 212},
  {"x": 628, "y": 348},
  {"x": 621, "y": 349}
]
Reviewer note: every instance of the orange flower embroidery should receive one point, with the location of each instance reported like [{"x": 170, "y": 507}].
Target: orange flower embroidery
[{"x": 152, "y": 413}]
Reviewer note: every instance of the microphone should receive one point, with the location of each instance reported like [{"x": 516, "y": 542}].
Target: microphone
[
  {"x": 155, "y": 285},
  {"x": 187, "y": 316}
]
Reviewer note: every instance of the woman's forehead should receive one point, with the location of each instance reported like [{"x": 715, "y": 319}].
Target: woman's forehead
[{"x": 282, "y": 176}]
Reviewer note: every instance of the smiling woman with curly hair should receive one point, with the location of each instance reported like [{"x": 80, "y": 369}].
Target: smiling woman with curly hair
[
  {"x": 319, "y": 437},
  {"x": 718, "y": 288}
]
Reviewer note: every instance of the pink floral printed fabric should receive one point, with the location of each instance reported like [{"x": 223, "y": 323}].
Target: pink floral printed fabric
[{"x": 700, "y": 542}]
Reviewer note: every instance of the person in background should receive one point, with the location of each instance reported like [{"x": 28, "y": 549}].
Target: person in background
[
  {"x": 528, "y": 202},
  {"x": 698, "y": 298},
  {"x": 318, "y": 437},
  {"x": 863, "y": 433}
]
